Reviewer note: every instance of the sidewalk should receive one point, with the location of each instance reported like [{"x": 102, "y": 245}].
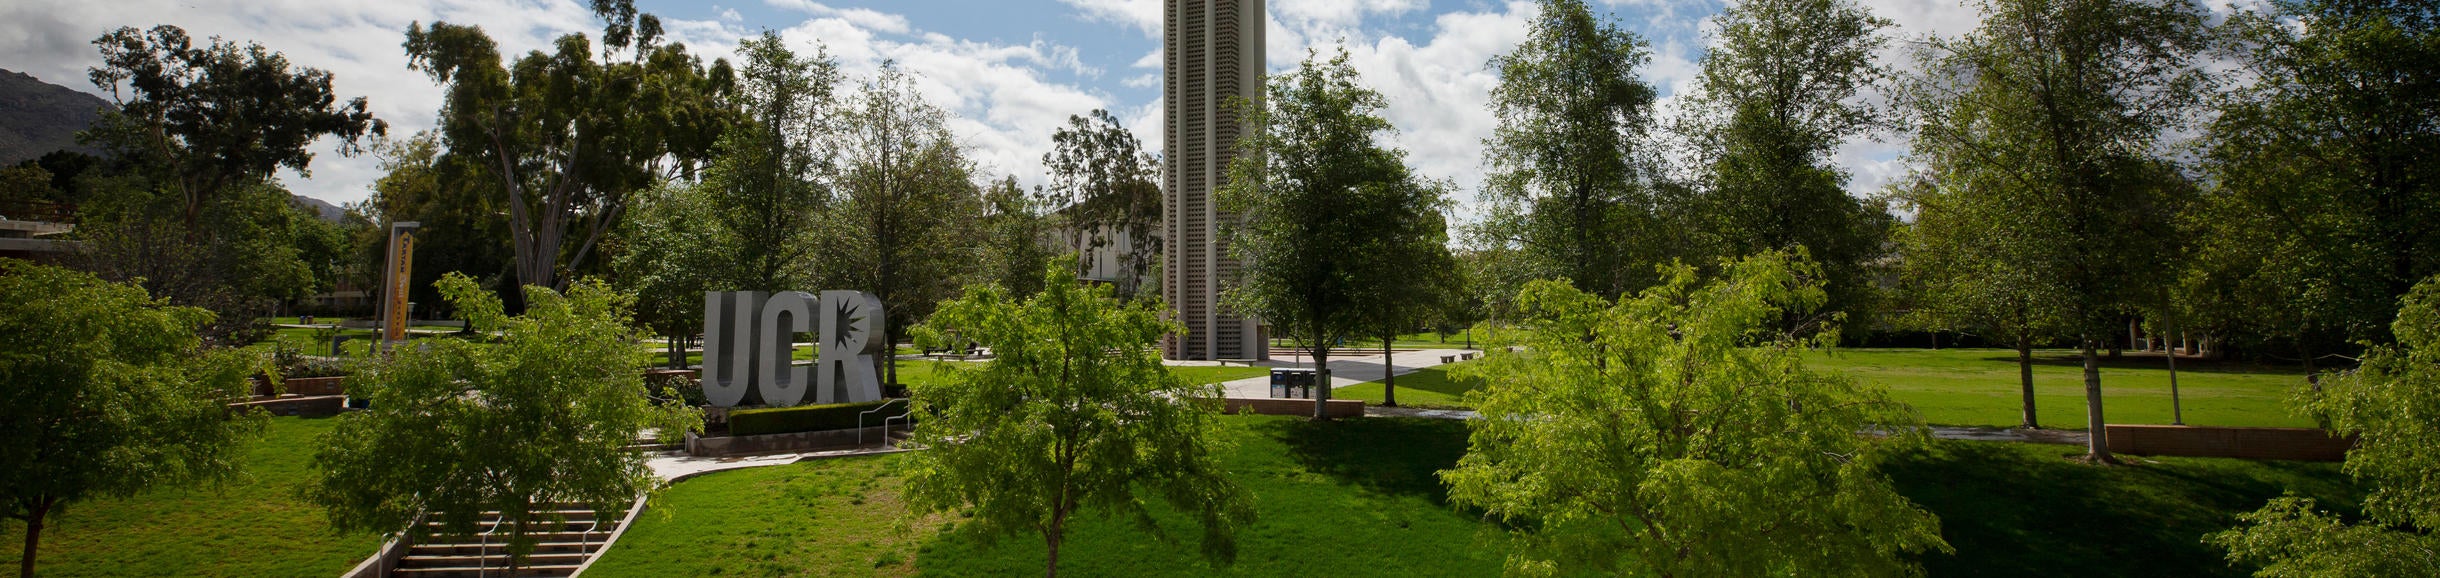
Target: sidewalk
[{"x": 1356, "y": 367}]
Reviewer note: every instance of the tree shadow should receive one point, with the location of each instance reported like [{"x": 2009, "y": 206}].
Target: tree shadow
[
  {"x": 2154, "y": 361},
  {"x": 2024, "y": 510},
  {"x": 1389, "y": 455}
]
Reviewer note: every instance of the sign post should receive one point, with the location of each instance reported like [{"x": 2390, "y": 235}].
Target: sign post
[{"x": 395, "y": 283}]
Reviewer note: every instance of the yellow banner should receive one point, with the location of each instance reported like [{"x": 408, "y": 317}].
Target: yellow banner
[{"x": 403, "y": 258}]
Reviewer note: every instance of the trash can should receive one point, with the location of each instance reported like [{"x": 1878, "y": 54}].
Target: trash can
[{"x": 1291, "y": 383}]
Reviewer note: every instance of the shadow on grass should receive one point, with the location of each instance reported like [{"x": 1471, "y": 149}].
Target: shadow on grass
[
  {"x": 1380, "y": 454},
  {"x": 2154, "y": 361},
  {"x": 2024, "y": 510}
]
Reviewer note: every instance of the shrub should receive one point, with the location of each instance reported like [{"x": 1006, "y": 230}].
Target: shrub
[{"x": 806, "y": 418}]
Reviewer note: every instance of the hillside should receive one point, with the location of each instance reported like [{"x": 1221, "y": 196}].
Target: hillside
[{"x": 37, "y": 117}]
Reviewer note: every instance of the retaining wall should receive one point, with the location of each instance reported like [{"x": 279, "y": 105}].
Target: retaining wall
[{"x": 2253, "y": 443}]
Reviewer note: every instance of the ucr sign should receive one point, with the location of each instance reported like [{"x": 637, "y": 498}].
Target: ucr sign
[{"x": 748, "y": 336}]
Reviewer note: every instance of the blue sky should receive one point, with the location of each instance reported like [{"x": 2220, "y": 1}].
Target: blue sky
[{"x": 1011, "y": 71}]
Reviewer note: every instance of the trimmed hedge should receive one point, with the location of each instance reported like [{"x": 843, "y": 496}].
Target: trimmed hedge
[{"x": 806, "y": 418}]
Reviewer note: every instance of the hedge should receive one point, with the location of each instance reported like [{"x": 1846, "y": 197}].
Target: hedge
[{"x": 806, "y": 418}]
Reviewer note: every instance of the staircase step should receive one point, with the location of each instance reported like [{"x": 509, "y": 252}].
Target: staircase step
[
  {"x": 498, "y": 548},
  {"x": 553, "y": 570},
  {"x": 499, "y": 560}
]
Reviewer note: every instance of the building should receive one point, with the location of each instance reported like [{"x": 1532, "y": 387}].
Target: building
[
  {"x": 30, "y": 229},
  {"x": 1213, "y": 51}
]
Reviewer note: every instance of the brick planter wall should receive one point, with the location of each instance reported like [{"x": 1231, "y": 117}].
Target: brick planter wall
[
  {"x": 2253, "y": 443},
  {"x": 1335, "y": 408},
  {"x": 305, "y": 386}
]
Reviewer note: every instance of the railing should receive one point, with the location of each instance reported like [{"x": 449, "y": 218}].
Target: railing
[
  {"x": 885, "y": 421},
  {"x": 34, "y": 210},
  {"x": 885, "y": 426}
]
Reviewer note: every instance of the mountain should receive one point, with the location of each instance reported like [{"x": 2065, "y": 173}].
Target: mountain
[
  {"x": 38, "y": 117},
  {"x": 320, "y": 208}
]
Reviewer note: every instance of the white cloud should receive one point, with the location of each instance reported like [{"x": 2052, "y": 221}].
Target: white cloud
[{"x": 1143, "y": 15}]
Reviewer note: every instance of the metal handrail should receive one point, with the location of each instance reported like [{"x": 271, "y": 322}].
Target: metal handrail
[
  {"x": 885, "y": 422},
  {"x": 885, "y": 427}
]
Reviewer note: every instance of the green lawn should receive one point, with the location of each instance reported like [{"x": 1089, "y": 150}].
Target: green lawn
[
  {"x": 252, "y": 526},
  {"x": 1430, "y": 387},
  {"x": 1359, "y": 498},
  {"x": 1979, "y": 387}
]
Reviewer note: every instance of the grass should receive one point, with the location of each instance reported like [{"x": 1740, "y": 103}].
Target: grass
[
  {"x": 1430, "y": 387},
  {"x": 1980, "y": 387},
  {"x": 1360, "y": 498},
  {"x": 252, "y": 526},
  {"x": 2021, "y": 510},
  {"x": 1365, "y": 487}
]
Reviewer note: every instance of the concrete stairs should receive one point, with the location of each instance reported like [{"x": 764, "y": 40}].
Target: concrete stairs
[{"x": 561, "y": 548}]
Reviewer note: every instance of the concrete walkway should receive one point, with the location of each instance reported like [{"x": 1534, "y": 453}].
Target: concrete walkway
[
  {"x": 675, "y": 465},
  {"x": 1356, "y": 367}
]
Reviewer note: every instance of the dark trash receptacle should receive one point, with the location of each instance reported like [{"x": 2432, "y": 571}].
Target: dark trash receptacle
[{"x": 1292, "y": 383}]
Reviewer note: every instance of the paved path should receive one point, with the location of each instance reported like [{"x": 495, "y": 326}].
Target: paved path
[
  {"x": 676, "y": 465},
  {"x": 1344, "y": 371}
]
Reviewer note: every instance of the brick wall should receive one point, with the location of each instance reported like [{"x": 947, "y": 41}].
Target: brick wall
[{"x": 1278, "y": 406}]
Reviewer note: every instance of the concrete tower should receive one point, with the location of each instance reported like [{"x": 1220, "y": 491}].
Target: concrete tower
[{"x": 1213, "y": 52}]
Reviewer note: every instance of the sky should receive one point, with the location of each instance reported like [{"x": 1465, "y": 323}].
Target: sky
[{"x": 1011, "y": 71}]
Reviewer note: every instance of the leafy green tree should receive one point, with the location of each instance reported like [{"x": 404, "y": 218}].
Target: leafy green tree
[
  {"x": 462, "y": 229},
  {"x": 2049, "y": 120},
  {"x": 764, "y": 181},
  {"x": 1429, "y": 280},
  {"x": 2387, "y": 403},
  {"x": 1678, "y": 433},
  {"x": 2318, "y": 217},
  {"x": 109, "y": 394},
  {"x": 1102, "y": 185},
  {"x": 1327, "y": 216},
  {"x": 669, "y": 254},
  {"x": 1074, "y": 414},
  {"x": 1780, "y": 92},
  {"x": 904, "y": 227},
  {"x": 243, "y": 255},
  {"x": 207, "y": 119},
  {"x": 542, "y": 415},
  {"x": 1571, "y": 181},
  {"x": 567, "y": 136},
  {"x": 1015, "y": 227}
]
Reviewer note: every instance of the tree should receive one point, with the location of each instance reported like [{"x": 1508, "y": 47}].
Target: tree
[
  {"x": 567, "y": 137},
  {"x": 207, "y": 119},
  {"x": 1015, "y": 226},
  {"x": 1677, "y": 433},
  {"x": 1327, "y": 216},
  {"x": 240, "y": 258},
  {"x": 1430, "y": 281},
  {"x": 2056, "y": 109},
  {"x": 1074, "y": 413},
  {"x": 455, "y": 428},
  {"x": 1569, "y": 182},
  {"x": 1102, "y": 185},
  {"x": 904, "y": 226},
  {"x": 2317, "y": 217},
  {"x": 764, "y": 180},
  {"x": 462, "y": 226},
  {"x": 109, "y": 394},
  {"x": 2387, "y": 405},
  {"x": 669, "y": 254},
  {"x": 1780, "y": 93}
]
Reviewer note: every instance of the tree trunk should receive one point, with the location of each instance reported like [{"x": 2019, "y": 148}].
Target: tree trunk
[
  {"x": 2177, "y": 410},
  {"x": 1051, "y": 539},
  {"x": 1321, "y": 380},
  {"x": 2097, "y": 449},
  {"x": 2024, "y": 377},
  {"x": 1389, "y": 375},
  {"x": 33, "y": 536}
]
